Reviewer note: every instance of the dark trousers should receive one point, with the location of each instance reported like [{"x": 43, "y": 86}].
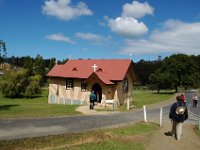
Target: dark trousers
[
  {"x": 91, "y": 104},
  {"x": 195, "y": 103}
]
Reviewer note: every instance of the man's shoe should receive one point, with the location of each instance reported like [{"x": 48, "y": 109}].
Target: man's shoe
[{"x": 169, "y": 133}]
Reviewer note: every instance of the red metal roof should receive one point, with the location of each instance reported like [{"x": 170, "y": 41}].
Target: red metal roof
[{"x": 107, "y": 70}]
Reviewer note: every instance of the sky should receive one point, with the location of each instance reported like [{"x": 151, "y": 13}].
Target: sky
[{"x": 100, "y": 29}]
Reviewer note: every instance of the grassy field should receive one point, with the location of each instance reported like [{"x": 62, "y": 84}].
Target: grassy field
[
  {"x": 146, "y": 97},
  {"x": 37, "y": 107},
  {"x": 132, "y": 137}
]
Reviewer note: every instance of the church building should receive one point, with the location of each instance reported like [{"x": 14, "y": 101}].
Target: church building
[{"x": 110, "y": 79}]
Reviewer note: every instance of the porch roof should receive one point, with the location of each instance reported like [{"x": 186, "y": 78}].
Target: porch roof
[{"x": 101, "y": 76}]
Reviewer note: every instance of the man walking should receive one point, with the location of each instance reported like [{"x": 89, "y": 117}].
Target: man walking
[{"x": 178, "y": 114}]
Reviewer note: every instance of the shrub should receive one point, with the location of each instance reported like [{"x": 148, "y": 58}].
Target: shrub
[{"x": 17, "y": 83}]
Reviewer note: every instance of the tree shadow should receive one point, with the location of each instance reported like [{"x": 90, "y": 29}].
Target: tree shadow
[
  {"x": 164, "y": 92},
  {"x": 6, "y": 107}
]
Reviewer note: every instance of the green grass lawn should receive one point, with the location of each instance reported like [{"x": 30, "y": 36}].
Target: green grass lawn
[
  {"x": 146, "y": 97},
  {"x": 36, "y": 107},
  {"x": 132, "y": 137},
  {"x": 39, "y": 107}
]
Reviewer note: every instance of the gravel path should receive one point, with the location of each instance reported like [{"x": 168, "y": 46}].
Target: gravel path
[{"x": 189, "y": 140}]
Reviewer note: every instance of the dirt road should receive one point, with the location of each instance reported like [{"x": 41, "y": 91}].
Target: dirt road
[{"x": 189, "y": 141}]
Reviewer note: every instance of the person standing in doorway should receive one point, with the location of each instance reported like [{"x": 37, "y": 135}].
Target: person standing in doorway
[
  {"x": 92, "y": 99},
  {"x": 178, "y": 114},
  {"x": 97, "y": 95}
]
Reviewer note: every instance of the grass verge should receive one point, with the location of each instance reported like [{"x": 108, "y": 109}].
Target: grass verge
[
  {"x": 133, "y": 137},
  {"x": 36, "y": 107},
  {"x": 39, "y": 107},
  {"x": 197, "y": 131},
  {"x": 146, "y": 97}
]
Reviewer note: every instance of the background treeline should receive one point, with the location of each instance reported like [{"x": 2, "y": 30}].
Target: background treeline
[
  {"x": 35, "y": 66},
  {"x": 169, "y": 73}
]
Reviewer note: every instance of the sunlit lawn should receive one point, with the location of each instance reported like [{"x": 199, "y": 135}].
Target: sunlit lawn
[
  {"x": 36, "y": 107},
  {"x": 146, "y": 97},
  {"x": 39, "y": 107}
]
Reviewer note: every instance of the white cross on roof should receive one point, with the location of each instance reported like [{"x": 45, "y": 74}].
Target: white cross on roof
[{"x": 94, "y": 66}]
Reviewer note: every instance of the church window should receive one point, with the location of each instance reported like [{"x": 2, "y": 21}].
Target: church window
[
  {"x": 69, "y": 84},
  {"x": 57, "y": 90},
  {"x": 83, "y": 86},
  {"x": 125, "y": 85}
]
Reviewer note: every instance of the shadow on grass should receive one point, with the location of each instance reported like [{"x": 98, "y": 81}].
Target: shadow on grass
[
  {"x": 25, "y": 97},
  {"x": 6, "y": 107},
  {"x": 164, "y": 92}
]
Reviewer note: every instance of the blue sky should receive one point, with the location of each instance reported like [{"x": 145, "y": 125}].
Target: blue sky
[{"x": 100, "y": 29}]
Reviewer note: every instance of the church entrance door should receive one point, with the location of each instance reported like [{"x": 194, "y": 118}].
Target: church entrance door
[{"x": 98, "y": 91}]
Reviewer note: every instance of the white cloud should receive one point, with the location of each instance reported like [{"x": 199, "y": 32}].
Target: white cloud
[
  {"x": 60, "y": 37},
  {"x": 137, "y": 9},
  {"x": 174, "y": 37},
  {"x": 127, "y": 26},
  {"x": 92, "y": 37},
  {"x": 63, "y": 10}
]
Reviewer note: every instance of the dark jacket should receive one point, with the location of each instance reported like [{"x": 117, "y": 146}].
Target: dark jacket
[
  {"x": 92, "y": 97},
  {"x": 174, "y": 116}
]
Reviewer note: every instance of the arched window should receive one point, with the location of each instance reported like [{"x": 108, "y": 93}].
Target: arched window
[{"x": 125, "y": 85}]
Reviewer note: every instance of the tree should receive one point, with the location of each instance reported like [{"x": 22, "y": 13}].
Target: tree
[
  {"x": 17, "y": 83},
  {"x": 39, "y": 68},
  {"x": 28, "y": 64},
  {"x": 50, "y": 63},
  {"x": 181, "y": 66},
  {"x": 181, "y": 69},
  {"x": 13, "y": 83},
  {"x": 144, "y": 69},
  {"x": 162, "y": 80},
  {"x": 192, "y": 81},
  {"x": 3, "y": 50},
  {"x": 34, "y": 86}
]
